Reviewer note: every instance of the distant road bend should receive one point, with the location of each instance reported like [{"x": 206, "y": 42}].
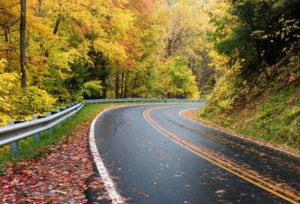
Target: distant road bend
[{"x": 158, "y": 156}]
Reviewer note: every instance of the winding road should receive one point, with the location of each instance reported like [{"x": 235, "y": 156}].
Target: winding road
[{"x": 152, "y": 154}]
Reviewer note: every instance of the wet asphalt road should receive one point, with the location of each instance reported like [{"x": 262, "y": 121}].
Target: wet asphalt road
[{"x": 148, "y": 167}]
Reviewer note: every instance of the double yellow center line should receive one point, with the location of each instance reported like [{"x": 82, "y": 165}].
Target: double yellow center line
[{"x": 225, "y": 164}]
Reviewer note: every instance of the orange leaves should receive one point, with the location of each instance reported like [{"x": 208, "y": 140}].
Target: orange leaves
[
  {"x": 148, "y": 3},
  {"x": 125, "y": 43}
]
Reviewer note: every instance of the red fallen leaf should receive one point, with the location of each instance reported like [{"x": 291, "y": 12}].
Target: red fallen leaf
[{"x": 58, "y": 178}]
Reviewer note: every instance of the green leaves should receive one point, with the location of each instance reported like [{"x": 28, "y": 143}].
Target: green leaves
[
  {"x": 92, "y": 88},
  {"x": 182, "y": 83}
]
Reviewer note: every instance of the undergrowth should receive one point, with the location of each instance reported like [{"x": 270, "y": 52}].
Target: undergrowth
[
  {"x": 268, "y": 109},
  {"x": 273, "y": 117}
]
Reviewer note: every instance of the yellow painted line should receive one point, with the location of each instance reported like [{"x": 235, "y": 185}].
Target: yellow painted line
[
  {"x": 236, "y": 169},
  {"x": 218, "y": 163}
]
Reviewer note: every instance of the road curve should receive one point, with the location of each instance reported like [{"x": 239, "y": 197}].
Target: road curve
[{"x": 154, "y": 155}]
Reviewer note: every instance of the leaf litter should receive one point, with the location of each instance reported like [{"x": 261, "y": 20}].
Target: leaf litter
[{"x": 60, "y": 177}]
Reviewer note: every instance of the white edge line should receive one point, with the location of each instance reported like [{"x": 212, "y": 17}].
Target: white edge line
[
  {"x": 109, "y": 185},
  {"x": 242, "y": 137}
]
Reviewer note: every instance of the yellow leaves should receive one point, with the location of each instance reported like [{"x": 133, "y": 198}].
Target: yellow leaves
[
  {"x": 121, "y": 20},
  {"x": 9, "y": 12},
  {"x": 61, "y": 60},
  {"x": 93, "y": 87},
  {"x": 4, "y": 119},
  {"x": 16, "y": 104},
  {"x": 115, "y": 29},
  {"x": 112, "y": 50},
  {"x": 8, "y": 86},
  {"x": 218, "y": 61},
  {"x": 3, "y": 63},
  {"x": 34, "y": 100},
  {"x": 182, "y": 83},
  {"x": 19, "y": 104},
  {"x": 8, "y": 82}
]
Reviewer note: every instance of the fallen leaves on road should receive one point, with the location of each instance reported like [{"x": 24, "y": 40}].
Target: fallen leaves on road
[
  {"x": 59, "y": 178},
  {"x": 220, "y": 192},
  {"x": 188, "y": 185}
]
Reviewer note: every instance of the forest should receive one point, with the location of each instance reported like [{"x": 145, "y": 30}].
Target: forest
[{"x": 241, "y": 55}]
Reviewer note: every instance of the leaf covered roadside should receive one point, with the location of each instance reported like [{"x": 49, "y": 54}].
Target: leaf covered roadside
[{"x": 58, "y": 178}]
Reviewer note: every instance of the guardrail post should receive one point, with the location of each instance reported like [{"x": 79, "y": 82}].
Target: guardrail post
[
  {"x": 36, "y": 137},
  {"x": 50, "y": 129},
  {"x": 14, "y": 146}
]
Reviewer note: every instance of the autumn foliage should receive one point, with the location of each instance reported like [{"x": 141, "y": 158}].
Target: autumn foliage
[{"x": 87, "y": 49}]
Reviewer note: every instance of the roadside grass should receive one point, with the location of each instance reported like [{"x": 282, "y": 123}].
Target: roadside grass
[
  {"x": 29, "y": 148},
  {"x": 274, "y": 118},
  {"x": 277, "y": 120}
]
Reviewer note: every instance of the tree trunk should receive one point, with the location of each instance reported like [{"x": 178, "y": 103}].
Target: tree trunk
[
  {"x": 39, "y": 10},
  {"x": 126, "y": 85},
  {"x": 6, "y": 38},
  {"x": 6, "y": 31},
  {"x": 23, "y": 44},
  {"x": 117, "y": 84},
  {"x": 104, "y": 90},
  {"x": 56, "y": 26},
  {"x": 122, "y": 85},
  {"x": 134, "y": 85}
]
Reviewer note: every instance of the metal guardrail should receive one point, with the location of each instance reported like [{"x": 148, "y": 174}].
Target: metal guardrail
[
  {"x": 11, "y": 134},
  {"x": 146, "y": 100}
]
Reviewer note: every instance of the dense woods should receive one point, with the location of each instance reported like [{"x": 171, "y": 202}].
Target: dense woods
[
  {"x": 256, "y": 56},
  {"x": 232, "y": 51},
  {"x": 55, "y": 52}
]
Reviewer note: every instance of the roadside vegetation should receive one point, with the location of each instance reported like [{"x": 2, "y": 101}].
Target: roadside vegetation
[
  {"x": 256, "y": 56},
  {"x": 272, "y": 118}
]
